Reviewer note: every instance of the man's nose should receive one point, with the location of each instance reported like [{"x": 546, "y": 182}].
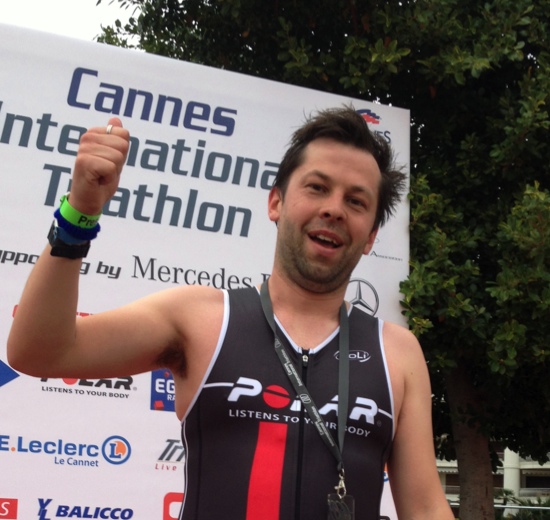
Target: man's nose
[{"x": 333, "y": 207}]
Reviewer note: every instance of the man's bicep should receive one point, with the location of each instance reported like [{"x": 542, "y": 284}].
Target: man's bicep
[{"x": 123, "y": 341}]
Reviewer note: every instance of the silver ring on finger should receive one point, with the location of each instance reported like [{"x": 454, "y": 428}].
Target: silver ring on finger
[{"x": 109, "y": 129}]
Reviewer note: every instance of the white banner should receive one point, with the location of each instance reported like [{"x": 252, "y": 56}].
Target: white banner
[{"x": 191, "y": 209}]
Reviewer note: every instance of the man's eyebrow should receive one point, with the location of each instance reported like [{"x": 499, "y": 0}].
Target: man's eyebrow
[
  {"x": 354, "y": 189},
  {"x": 318, "y": 173}
]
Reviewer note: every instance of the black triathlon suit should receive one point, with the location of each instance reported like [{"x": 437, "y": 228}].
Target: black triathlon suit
[{"x": 252, "y": 452}]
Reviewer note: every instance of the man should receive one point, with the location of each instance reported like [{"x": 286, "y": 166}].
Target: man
[{"x": 254, "y": 450}]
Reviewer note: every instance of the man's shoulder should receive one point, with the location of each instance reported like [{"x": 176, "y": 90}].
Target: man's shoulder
[
  {"x": 244, "y": 292},
  {"x": 399, "y": 335},
  {"x": 188, "y": 305},
  {"x": 402, "y": 348},
  {"x": 185, "y": 294}
]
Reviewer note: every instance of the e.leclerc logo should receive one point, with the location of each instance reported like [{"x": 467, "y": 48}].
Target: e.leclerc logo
[{"x": 115, "y": 450}]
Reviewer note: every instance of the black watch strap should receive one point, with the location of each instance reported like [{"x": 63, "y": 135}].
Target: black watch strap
[{"x": 63, "y": 249}]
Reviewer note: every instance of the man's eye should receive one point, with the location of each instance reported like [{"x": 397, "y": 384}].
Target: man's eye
[
  {"x": 358, "y": 202},
  {"x": 316, "y": 187}
]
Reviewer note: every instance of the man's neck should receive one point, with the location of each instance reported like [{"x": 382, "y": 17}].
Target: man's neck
[{"x": 309, "y": 317}]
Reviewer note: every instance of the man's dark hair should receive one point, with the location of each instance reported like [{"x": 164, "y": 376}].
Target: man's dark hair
[{"x": 346, "y": 126}]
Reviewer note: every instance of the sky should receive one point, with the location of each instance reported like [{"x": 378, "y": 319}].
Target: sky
[{"x": 80, "y": 19}]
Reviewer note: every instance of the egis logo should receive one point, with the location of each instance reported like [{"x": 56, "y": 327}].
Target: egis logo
[
  {"x": 369, "y": 116},
  {"x": 163, "y": 391},
  {"x": 7, "y": 374}
]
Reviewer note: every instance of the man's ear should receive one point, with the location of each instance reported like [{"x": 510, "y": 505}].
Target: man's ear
[
  {"x": 371, "y": 240},
  {"x": 274, "y": 204}
]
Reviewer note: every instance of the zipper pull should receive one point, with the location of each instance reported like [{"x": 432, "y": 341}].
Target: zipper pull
[{"x": 305, "y": 359}]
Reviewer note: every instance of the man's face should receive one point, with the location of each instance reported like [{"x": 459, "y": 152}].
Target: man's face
[{"x": 326, "y": 217}]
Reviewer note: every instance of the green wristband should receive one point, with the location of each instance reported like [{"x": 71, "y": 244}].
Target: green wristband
[{"x": 74, "y": 216}]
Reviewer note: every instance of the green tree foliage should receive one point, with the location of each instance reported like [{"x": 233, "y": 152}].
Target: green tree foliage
[{"x": 476, "y": 78}]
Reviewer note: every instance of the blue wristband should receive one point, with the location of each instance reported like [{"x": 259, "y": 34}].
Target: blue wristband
[{"x": 78, "y": 233}]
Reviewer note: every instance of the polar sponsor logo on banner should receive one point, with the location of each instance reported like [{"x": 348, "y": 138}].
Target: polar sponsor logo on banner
[
  {"x": 115, "y": 450},
  {"x": 163, "y": 392},
  {"x": 172, "y": 454},
  {"x": 8, "y": 508},
  {"x": 7, "y": 374},
  {"x": 172, "y": 506},
  {"x": 118, "y": 388},
  {"x": 48, "y": 511}
]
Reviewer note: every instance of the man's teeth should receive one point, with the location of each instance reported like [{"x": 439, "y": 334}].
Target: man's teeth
[{"x": 326, "y": 239}]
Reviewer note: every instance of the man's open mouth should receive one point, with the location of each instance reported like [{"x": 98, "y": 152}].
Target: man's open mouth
[{"x": 325, "y": 240}]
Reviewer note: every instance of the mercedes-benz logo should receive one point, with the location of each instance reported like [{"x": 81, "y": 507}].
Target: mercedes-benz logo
[{"x": 362, "y": 294}]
